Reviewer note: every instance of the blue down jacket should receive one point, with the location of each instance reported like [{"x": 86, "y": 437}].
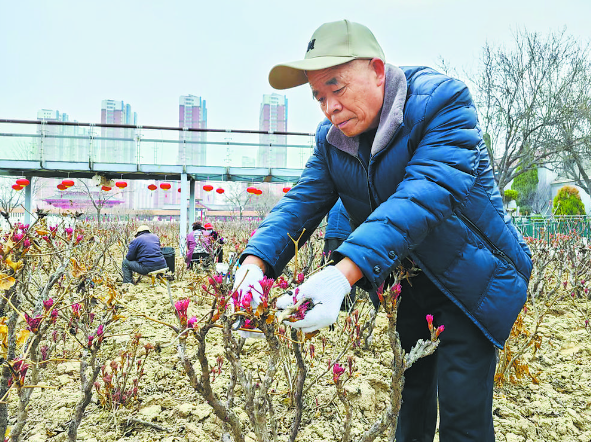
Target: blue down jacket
[
  {"x": 428, "y": 194},
  {"x": 337, "y": 223},
  {"x": 145, "y": 249}
]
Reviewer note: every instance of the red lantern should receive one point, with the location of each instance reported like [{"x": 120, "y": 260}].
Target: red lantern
[
  {"x": 286, "y": 189},
  {"x": 208, "y": 187},
  {"x": 62, "y": 187},
  {"x": 121, "y": 184},
  {"x": 105, "y": 188},
  {"x": 165, "y": 186},
  {"x": 152, "y": 187},
  {"x": 68, "y": 183},
  {"x": 258, "y": 192},
  {"x": 251, "y": 190},
  {"x": 23, "y": 182},
  {"x": 220, "y": 190},
  {"x": 17, "y": 187},
  {"x": 179, "y": 190}
]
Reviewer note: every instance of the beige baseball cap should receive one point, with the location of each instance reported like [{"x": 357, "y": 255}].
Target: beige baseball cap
[
  {"x": 331, "y": 44},
  {"x": 141, "y": 229}
]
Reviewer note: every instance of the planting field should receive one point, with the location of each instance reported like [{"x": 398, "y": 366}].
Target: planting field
[{"x": 544, "y": 380}]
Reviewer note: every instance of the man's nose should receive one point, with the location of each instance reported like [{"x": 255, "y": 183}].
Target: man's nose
[{"x": 333, "y": 105}]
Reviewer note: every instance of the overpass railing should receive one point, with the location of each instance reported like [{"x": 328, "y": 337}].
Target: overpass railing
[{"x": 46, "y": 141}]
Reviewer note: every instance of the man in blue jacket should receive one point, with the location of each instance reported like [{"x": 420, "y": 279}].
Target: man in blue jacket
[
  {"x": 402, "y": 148},
  {"x": 143, "y": 255}
]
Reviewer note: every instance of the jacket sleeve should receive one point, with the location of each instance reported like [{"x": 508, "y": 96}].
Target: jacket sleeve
[
  {"x": 438, "y": 179},
  {"x": 300, "y": 210},
  {"x": 132, "y": 250}
]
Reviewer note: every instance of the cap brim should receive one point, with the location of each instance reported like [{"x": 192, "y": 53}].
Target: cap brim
[{"x": 292, "y": 74}]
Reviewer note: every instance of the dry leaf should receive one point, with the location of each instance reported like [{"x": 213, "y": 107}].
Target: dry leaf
[
  {"x": 6, "y": 281},
  {"x": 112, "y": 297},
  {"x": 13, "y": 265},
  {"x": 22, "y": 337},
  {"x": 77, "y": 269}
]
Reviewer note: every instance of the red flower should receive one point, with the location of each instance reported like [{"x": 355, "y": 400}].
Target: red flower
[
  {"x": 181, "y": 307},
  {"x": 33, "y": 323},
  {"x": 430, "y": 322},
  {"x": 47, "y": 304},
  {"x": 337, "y": 371},
  {"x": 439, "y": 330}
]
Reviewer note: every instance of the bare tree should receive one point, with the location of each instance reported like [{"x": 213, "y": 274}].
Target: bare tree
[
  {"x": 574, "y": 138},
  {"x": 10, "y": 198},
  {"x": 238, "y": 198},
  {"x": 523, "y": 95},
  {"x": 98, "y": 199},
  {"x": 264, "y": 202}
]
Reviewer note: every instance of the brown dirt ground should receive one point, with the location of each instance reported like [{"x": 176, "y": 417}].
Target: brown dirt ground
[{"x": 558, "y": 408}]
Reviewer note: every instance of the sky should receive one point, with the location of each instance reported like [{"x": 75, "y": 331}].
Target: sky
[{"x": 70, "y": 55}]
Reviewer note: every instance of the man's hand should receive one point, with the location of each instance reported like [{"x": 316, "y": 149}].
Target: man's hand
[
  {"x": 326, "y": 289},
  {"x": 246, "y": 283}
]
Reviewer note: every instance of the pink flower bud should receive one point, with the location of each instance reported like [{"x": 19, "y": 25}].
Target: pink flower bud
[
  {"x": 26, "y": 243},
  {"x": 337, "y": 371},
  {"x": 246, "y": 299},
  {"x": 300, "y": 278},
  {"x": 439, "y": 330},
  {"x": 430, "y": 322},
  {"x": 191, "y": 322},
  {"x": 47, "y": 304}
]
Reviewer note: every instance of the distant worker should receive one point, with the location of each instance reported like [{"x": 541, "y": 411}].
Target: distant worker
[
  {"x": 195, "y": 249},
  {"x": 143, "y": 256},
  {"x": 213, "y": 243}
]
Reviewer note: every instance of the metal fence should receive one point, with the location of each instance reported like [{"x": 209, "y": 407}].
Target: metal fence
[{"x": 545, "y": 227}]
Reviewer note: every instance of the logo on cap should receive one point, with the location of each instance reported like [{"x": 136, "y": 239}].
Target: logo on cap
[{"x": 310, "y": 45}]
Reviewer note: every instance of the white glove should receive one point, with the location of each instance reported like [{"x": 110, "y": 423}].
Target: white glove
[
  {"x": 246, "y": 281},
  {"x": 326, "y": 289}
]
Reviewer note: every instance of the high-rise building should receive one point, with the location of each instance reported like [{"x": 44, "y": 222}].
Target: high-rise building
[
  {"x": 272, "y": 151},
  {"x": 117, "y": 144},
  {"x": 51, "y": 142},
  {"x": 60, "y": 143},
  {"x": 192, "y": 115}
]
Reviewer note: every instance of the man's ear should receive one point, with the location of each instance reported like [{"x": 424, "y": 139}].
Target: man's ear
[{"x": 379, "y": 68}]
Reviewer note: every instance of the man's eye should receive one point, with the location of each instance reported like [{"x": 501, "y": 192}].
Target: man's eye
[{"x": 338, "y": 91}]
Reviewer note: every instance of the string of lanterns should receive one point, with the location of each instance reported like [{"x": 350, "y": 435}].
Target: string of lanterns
[{"x": 67, "y": 183}]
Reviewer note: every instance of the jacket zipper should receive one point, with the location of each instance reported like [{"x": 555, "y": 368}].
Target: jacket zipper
[
  {"x": 368, "y": 188},
  {"x": 492, "y": 247}
]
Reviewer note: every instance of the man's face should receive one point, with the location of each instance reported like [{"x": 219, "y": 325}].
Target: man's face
[{"x": 350, "y": 95}]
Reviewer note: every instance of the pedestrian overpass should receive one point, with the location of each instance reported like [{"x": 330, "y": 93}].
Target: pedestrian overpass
[{"x": 55, "y": 149}]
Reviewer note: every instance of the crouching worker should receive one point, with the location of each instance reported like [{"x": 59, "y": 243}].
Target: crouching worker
[
  {"x": 143, "y": 256},
  {"x": 195, "y": 249}
]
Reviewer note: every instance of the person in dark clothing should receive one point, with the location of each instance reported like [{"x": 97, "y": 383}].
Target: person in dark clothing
[
  {"x": 213, "y": 242},
  {"x": 195, "y": 248},
  {"x": 143, "y": 255}
]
